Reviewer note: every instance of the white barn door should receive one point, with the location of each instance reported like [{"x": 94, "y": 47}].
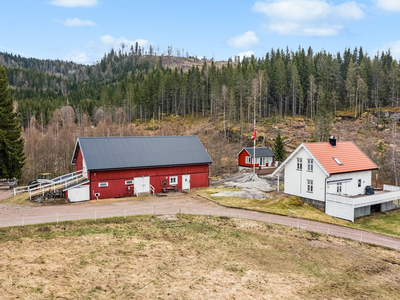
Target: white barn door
[
  {"x": 185, "y": 182},
  {"x": 142, "y": 184}
]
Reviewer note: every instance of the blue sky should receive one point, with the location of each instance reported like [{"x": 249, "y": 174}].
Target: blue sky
[{"x": 83, "y": 30}]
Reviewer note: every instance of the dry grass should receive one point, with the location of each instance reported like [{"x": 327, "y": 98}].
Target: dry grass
[
  {"x": 282, "y": 205},
  {"x": 386, "y": 223},
  {"x": 190, "y": 258}
]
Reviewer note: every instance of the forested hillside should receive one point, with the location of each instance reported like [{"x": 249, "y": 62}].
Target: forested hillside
[
  {"x": 132, "y": 86},
  {"x": 136, "y": 92}
]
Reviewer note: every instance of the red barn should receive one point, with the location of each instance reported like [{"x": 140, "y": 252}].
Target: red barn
[
  {"x": 126, "y": 166},
  {"x": 263, "y": 157}
]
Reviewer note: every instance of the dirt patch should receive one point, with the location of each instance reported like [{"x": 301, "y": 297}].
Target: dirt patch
[
  {"x": 5, "y": 194},
  {"x": 43, "y": 229}
]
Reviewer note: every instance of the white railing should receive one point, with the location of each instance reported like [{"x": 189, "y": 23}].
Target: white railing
[
  {"x": 391, "y": 188},
  {"x": 339, "y": 199},
  {"x": 56, "y": 184},
  {"x": 152, "y": 190},
  {"x": 393, "y": 194},
  {"x": 63, "y": 180}
]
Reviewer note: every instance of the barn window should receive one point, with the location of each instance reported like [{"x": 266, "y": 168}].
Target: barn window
[
  {"x": 103, "y": 184},
  {"x": 173, "y": 180},
  {"x": 299, "y": 164},
  {"x": 310, "y": 186},
  {"x": 310, "y": 164},
  {"x": 128, "y": 182},
  {"x": 248, "y": 160}
]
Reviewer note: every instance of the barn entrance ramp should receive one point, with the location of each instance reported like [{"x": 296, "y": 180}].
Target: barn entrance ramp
[{"x": 55, "y": 188}]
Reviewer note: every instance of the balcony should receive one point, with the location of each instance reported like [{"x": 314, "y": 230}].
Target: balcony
[{"x": 387, "y": 194}]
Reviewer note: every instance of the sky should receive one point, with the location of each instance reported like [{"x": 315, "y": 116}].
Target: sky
[{"x": 84, "y": 30}]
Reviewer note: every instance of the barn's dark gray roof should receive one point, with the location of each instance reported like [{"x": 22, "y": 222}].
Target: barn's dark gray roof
[
  {"x": 260, "y": 152},
  {"x": 102, "y": 153}
]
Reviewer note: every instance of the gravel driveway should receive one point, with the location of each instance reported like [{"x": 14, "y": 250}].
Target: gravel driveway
[{"x": 13, "y": 215}]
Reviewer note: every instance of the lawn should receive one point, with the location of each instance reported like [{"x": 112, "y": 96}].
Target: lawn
[
  {"x": 189, "y": 257},
  {"x": 386, "y": 223}
]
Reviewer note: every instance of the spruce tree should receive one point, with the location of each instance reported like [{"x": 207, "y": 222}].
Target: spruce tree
[
  {"x": 279, "y": 149},
  {"x": 11, "y": 144}
]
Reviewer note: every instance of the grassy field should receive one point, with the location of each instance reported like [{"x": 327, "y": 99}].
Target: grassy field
[
  {"x": 190, "y": 257},
  {"x": 386, "y": 223}
]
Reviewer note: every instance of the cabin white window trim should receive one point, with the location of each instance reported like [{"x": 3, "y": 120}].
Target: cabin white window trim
[
  {"x": 299, "y": 163},
  {"x": 257, "y": 160},
  {"x": 310, "y": 186},
  {"x": 173, "y": 180},
  {"x": 310, "y": 165},
  {"x": 103, "y": 184},
  {"x": 248, "y": 160},
  {"x": 128, "y": 182}
]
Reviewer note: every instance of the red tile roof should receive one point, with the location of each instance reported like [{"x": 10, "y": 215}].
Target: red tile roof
[{"x": 352, "y": 159}]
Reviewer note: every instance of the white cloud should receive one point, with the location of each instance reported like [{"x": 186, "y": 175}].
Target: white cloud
[
  {"x": 243, "y": 54},
  {"x": 394, "y": 48},
  {"x": 77, "y": 22},
  {"x": 74, "y": 3},
  {"x": 307, "y": 17},
  {"x": 245, "y": 40},
  {"x": 390, "y": 5},
  {"x": 111, "y": 41},
  {"x": 78, "y": 57}
]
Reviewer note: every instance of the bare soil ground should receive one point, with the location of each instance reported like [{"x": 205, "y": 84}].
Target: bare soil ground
[
  {"x": 189, "y": 257},
  {"x": 4, "y": 194}
]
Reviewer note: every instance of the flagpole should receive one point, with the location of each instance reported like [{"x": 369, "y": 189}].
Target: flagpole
[{"x": 254, "y": 148}]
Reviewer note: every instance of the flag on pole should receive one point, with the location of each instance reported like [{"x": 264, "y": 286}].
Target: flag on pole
[{"x": 255, "y": 132}]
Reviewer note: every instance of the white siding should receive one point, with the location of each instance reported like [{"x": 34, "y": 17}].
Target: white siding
[
  {"x": 349, "y": 187},
  {"x": 296, "y": 180}
]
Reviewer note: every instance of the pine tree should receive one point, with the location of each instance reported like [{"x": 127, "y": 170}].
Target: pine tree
[
  {"x": 11, "y": 144},
  {"x": 279, "y": 149}
]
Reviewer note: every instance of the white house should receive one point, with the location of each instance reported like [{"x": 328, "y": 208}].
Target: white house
[{"x": 334, "y": 177}]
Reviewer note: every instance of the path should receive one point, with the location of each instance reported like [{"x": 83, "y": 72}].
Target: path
[{"x": 12, "y": 215}]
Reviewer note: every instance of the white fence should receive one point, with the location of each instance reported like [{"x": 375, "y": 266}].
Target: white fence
[
  {"x": 57, "y": 183},
  {"x": 328, "y": 229}
]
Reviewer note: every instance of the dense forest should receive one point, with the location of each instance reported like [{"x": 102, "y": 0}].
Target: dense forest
[
  {"x": 136, "y": 85},
  {"x": 135, "y": 92}
]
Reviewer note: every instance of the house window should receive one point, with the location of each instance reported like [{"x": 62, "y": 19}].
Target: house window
[
  {"x": 359, "y": 182},
  {"x": 128, "y": 182},
  {"x": 310, "y": 165},
  {"x": 310, "y": 185},
  {"x": 299, "y": 164},
  {"x": 257, "y": 160},
  {"x": 339, "y": 187},
  {"x": 173, "y": 180},
  {"x": 103, "y": 184},
  {"x": 248, "y": 160}
]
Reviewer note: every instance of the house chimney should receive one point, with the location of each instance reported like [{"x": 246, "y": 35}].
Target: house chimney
[{"x": 332, "y": 141}]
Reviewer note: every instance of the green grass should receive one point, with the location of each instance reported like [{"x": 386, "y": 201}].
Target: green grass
[{"x": 386, "y": 223}]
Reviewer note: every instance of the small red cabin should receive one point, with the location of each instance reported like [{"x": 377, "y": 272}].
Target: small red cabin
[
  {"x": 126, "y": 166},
  {"x": 263, "y": 157}
]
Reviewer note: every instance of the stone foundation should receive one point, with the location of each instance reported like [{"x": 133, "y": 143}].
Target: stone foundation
[{"x": 315, "y": 203}]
